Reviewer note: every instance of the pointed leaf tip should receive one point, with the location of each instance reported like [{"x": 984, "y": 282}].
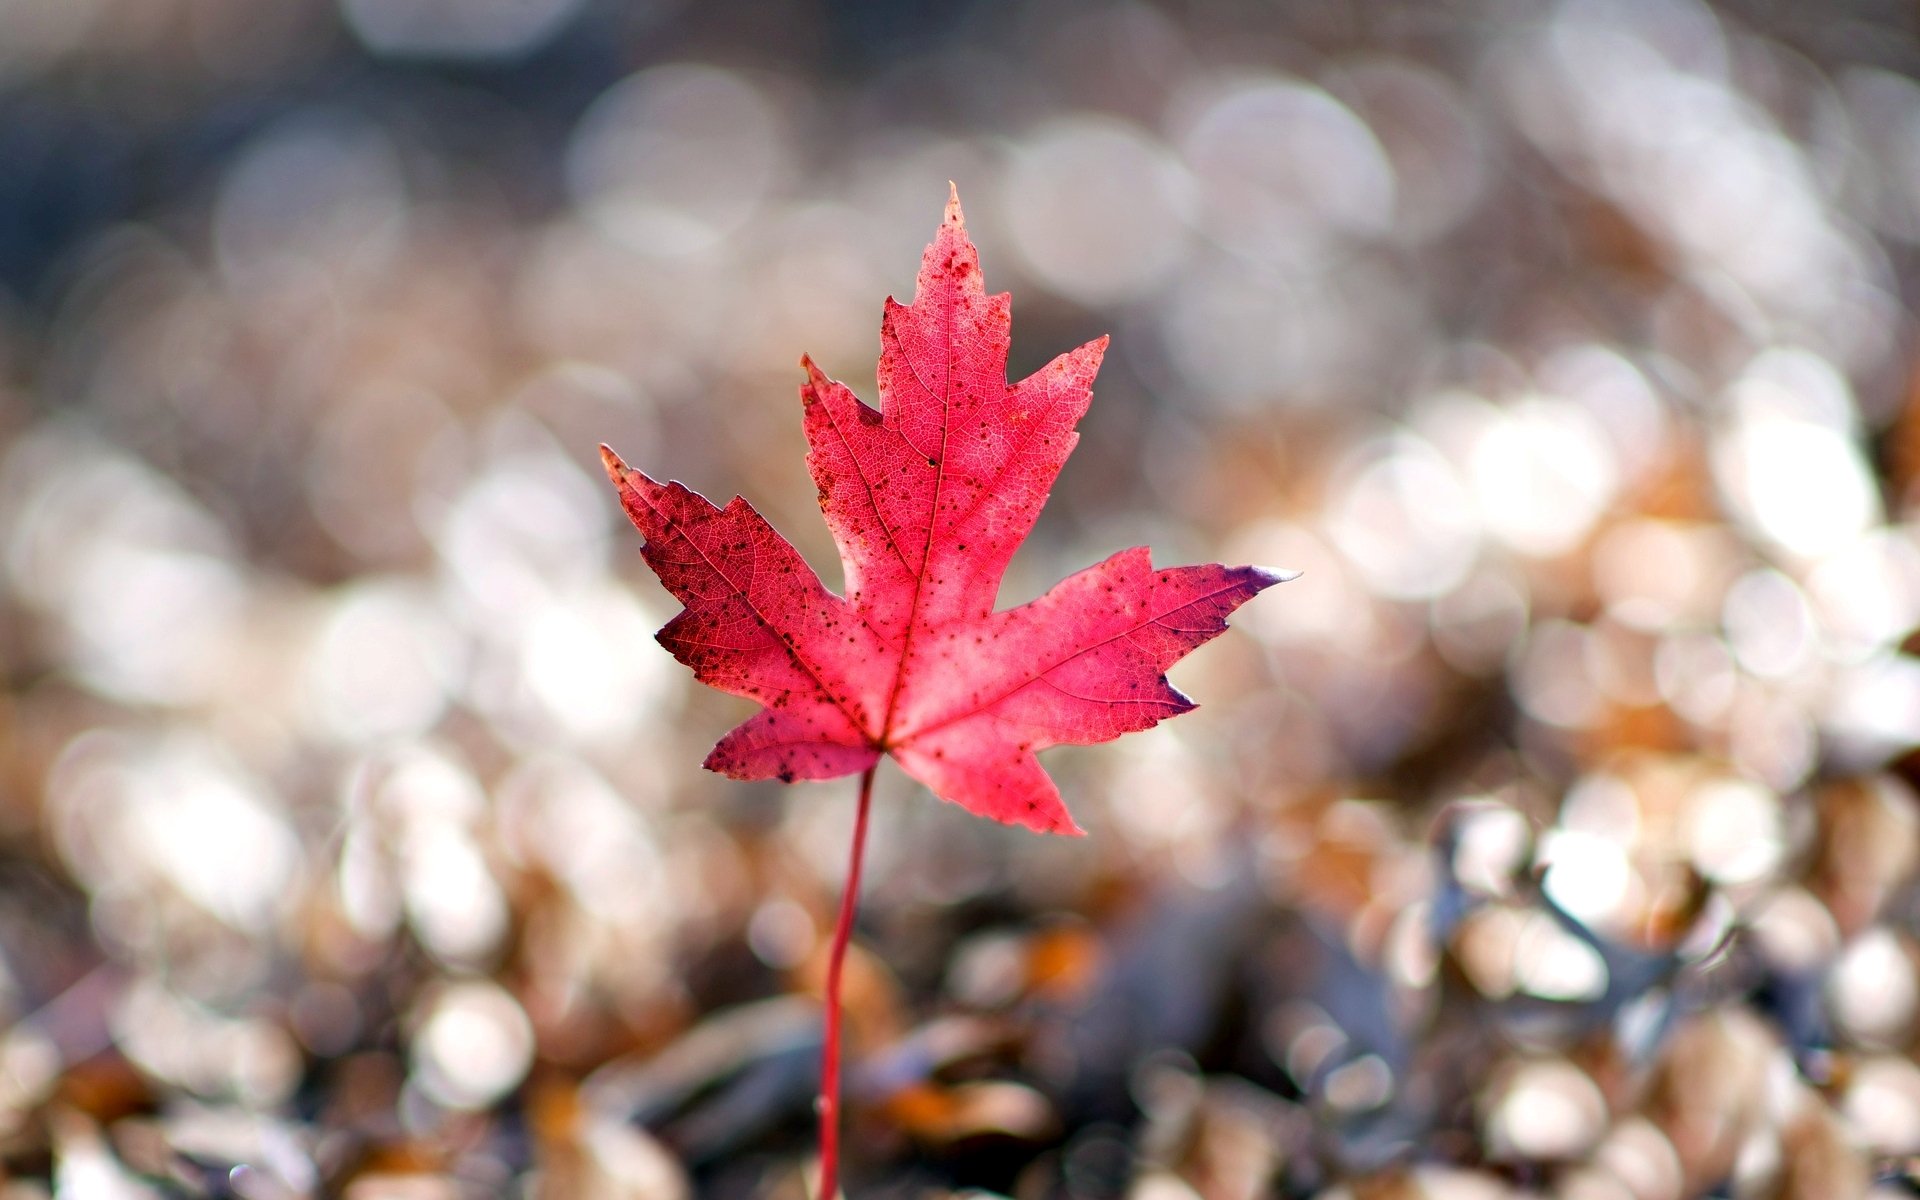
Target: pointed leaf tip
[
  {"x": 1273, "y": 575},
  {"x": 616, "y": 469},
  {"x": 953, "y": 214}
]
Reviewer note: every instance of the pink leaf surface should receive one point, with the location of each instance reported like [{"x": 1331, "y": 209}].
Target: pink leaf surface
[{"x": 928, "y": 498}]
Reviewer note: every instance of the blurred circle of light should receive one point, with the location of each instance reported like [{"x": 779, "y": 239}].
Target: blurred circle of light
[
  {"x": 1641, "y": 1157},
  {"x": 1801, "y": 485},
  {"x": 457, "y": 28},
  {"x": 1795, "y": 931},
  {"x": 1703, "y": 169},
  {"x": 1627, "y": 413},
  {"x": 1097, "y": 208},
  {"x": 363, "y": 882},
  {"x": 1691, "y": 160},
  {"x": 1153, "y": 765},
  {"x": 384, "y": 663},
  {"x": 313, "y": 193},
  {"x": 781, "y": 934},
  {"x": 1882, "y": 1104},
  {"x": 149, "y": 625},
  {"x": 1412, "y": 954},
  {"x": 1696, "y": 676},
  {"x": 1769, "y": 627},
  {"x": 590, "y": 663},
  {"x": 987, "y": 971},
  {"x": 582, "y": 293},
  {"x": 1547, "y": 1109},
  {"x": 1359, "y": 1086},
  {"x": 421, "y": 783},
  {"x": 1770, "y": 737},
  {"x": 431, "y": 816},
  {"x": 1872, "y": 992},
  {"x": 454, "y": 904},
  {"x": 528, "y": 526},
  {"x": 1543, "y": 475},
  {"x": 1727, "y": 187},
  {"x": 1484, "y": 947},
  {"x": 1603, "y": 805},
  {"x": 473, "y": 1046},
  {"x": 1304, "y": 1039},
  {"x": 126, "y": 813},
  {"x": 1551, "y": 963},
  {"x": 560, "y": 813},
  {"x": 1867, "y": 594},
  {"x": 677, "y": 157},
  {"x": 1432, "y": 143},
  {"x": 1874, "y": 706},
  {"x": 139, "y": 576},
  {"x": 1281, "y": 166},
  {"x": 363, "y": 469},
  {"x": 1657, "y": 574},
  {"x": 215, "y": 833},
  {"x": 396, "y": 800},
  {"x": 1491, "y": 840},
  {"x": 1733, "y": 831},
  {"x": 1796, "y": 383},
  {"x": 1587, "y": 876},
  {"x": 1243, "y": 339},
  {"x": 250, "y": 1059},
  {"x": 1402, "y": 518}
]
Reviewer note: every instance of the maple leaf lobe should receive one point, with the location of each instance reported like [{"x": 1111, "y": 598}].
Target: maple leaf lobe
[{"x": 928, "y": 496}]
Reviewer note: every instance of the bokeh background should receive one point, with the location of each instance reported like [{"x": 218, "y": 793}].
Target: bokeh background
[{"x": 1554, "y": 835}]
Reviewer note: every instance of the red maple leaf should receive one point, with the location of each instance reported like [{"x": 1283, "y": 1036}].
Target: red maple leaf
[{"x": 928, "y": 498}]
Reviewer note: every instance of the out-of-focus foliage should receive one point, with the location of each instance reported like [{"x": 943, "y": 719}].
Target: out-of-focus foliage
[{"x": 1555, "y": 835}]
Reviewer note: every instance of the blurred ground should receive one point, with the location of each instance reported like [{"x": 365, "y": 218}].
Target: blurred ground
[{"x": 1554, "y": 835}]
